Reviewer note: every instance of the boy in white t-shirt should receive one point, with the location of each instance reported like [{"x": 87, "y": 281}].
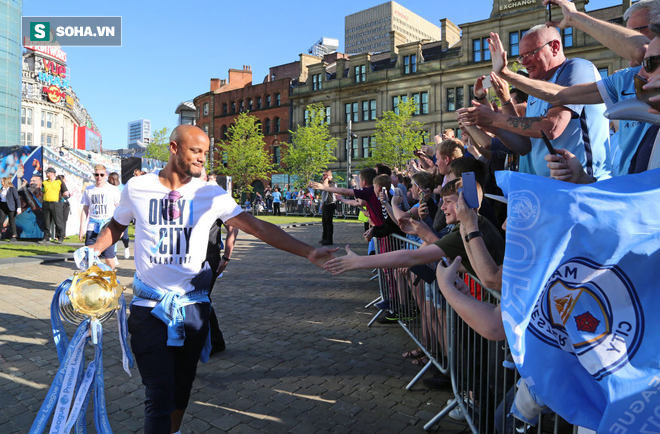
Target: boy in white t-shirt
[{"x": 173, "y": 212}]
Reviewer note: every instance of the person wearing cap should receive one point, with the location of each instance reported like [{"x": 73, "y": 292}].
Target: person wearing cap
[{"x": 53, "y": 189}]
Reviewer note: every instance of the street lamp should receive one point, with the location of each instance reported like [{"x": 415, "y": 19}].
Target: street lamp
[{"x": 349, "y": 151}]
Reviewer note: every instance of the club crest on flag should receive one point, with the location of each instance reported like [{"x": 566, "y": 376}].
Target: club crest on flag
[{"x": 575, "y": 314}]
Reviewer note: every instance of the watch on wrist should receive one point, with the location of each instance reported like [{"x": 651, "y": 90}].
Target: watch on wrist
[
  {"x": 474, "y": 234},
  {"x": 225, "y": 258}
]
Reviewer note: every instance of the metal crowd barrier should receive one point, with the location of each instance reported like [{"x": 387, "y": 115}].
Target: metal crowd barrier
[{"x": 483, "y": 388}]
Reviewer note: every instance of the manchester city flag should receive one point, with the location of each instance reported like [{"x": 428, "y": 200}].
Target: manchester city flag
[{"x": 581, "y": 296}]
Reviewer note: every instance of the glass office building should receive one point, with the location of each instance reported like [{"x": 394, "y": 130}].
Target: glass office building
[{"x": 10, "y": 71}]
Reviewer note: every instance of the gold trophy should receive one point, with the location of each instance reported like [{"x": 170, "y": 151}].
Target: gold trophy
[{"x": 94, "y": 293}]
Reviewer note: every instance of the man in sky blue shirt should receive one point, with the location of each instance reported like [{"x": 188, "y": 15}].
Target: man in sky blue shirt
[
  {"x": 630, "y": 42},
  {"x": 579, "y": 128}
]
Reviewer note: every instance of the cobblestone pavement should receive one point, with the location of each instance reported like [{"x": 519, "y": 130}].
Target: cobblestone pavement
[{"x": 300, "y": 357}]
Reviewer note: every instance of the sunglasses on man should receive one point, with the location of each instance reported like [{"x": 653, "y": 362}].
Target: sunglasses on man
[{"x": 651, "y": 63}]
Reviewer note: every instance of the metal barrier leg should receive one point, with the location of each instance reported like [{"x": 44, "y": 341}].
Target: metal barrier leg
[
  {"x": 374, "y": 302},
  {"x": 438, "y": 417},
  {"x": 418, "y": 376},
  {"x": 374, "y": 318}
]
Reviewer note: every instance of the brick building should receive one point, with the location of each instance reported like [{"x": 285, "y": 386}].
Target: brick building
[{"x": 269, "y": 102}]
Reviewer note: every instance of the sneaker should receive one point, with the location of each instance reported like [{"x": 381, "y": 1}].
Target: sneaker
[
  {"x": 12, "y": 240},
  {"x": 383, "y": 305},
  {"x": 457, "y": 414},
  {"x": 127, "y": 253},
  {"x": 43, "y": 241},
  {"x": 57, "y": 240},
  {"x": 383, "y": 319}
]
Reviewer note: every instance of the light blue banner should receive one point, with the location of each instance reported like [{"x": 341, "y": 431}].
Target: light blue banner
[{"x": 580, "y": 296}]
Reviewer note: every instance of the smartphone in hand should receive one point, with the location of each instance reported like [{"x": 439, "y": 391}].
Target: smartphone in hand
[
  {"x": 470, "y": 190},
  {"x": 486, "y": 82},
  {"x": 548, "y": 144}
]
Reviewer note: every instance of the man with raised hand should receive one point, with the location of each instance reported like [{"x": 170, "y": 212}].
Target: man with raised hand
[
  {"x": 173, "y": 212},
  {"x": 630, "y": 42},
  {"x": 581, "y": 129}
]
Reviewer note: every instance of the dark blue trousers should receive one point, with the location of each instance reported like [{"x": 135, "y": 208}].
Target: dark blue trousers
[{"x": 167, "y": 372}]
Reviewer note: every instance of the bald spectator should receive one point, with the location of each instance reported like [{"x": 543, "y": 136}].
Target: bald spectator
[{"x": 579, "y": 128}]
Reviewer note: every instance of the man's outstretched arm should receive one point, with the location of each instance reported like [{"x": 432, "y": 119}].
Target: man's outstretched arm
[
  {"x": 110, "y": 234},
  {"x": 627, "y": 43},
  {"x": 276, "y": 237}
]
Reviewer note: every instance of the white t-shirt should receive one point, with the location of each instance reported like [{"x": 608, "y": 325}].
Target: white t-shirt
[
  {"x": 171, "y": 228},
  {"x": 101, "y": 201}
]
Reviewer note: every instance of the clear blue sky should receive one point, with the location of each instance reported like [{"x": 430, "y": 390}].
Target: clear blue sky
[{"x": 171, "y": 49}]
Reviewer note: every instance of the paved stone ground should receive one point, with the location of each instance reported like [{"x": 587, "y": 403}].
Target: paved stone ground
[{"x": 300, "y": 357}]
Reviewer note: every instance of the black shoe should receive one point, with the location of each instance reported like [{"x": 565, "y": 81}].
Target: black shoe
[
  {"x": 43, "y": 241},
  {"x": 218, "y": 348},
  {"x": 326, "y": 243},
  {"x": 384, "y": 318},
  {"x": 440, "y": 382},
  {"x": 12, "y": 240},
  {"x": 57, "y": 241}
]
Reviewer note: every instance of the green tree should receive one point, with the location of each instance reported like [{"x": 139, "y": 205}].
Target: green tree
[
  {"x": 247, "y": 159},
  {"x": 159, "y": 147},
  {"x": 397, "y": 136},
  {"x": 312, "y": 147}
]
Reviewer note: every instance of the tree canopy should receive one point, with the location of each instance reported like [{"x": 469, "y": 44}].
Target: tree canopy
[
  {"x": 397, "y": 136},
  {"x": 312, "y": 146},
  {"x": 159, "y": 147},
  {"x": 246, "y": 158}
]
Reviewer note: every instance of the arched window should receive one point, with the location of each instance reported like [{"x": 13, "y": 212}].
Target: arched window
[
  {"x": 277, "y": 125},
  {"x": 267, "y": 126},
  {"x": 223, "y": 134},
  {"x": 278, "y": 100}
]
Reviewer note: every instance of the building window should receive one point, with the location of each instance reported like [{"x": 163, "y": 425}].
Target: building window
[
  {"x": 197, "y": 114},
  {"x": 470, "y": 94},
  {"x": 604, "y": 72},
  {"x": 206, "y": 109},
  {"x": 26, "y": 139},
  {"x": 278, "y": 100},
  {"x": 48, "y": 140},
  {"x": 480, "y": 51},
  {"x": 250, "y": 104},
  {"x": 327, "y": 116},
  {"x": 267, "y": 126},
  {"x": 306, "y": 117},
  {"x": 223, "y": 133},
  {"x": 395, "y": 102},
  {"x": 514, "y": 43},
  {"x": 205, "y": 127},
  {"x": 276, "y": 155},
  {"x": 360, "y": 73},
  {"x": 224, "y": 108},
  {"x": 241, "y": 106},
  {"x": 354, "y": 148},
  {"x": 567, "y": 37},
  {"x": 233, "y": 107},
  {"x": 366, "y": 146},
  {"x": 410, "y": 64},
  {"x": 372, "y": 109},
  {"x": 47, "y": 120},
  {"x": 421, "y": 103},
  {"x": 451, "y": 100},
  {"x": 267, "y": 101},
  {"x": 316, "y": 82},
  {"x": 258, "y": 103},
  {"x": 277, "y": 125},
  {"x": 26, "y": 116},
  {"x": 352, "y": 112},
  {"x": 365, "y": 110},
  {"x": 459, "y": 98},
  {"x": 225, "y": 158}
]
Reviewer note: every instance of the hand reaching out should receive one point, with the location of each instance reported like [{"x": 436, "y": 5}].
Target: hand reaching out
[{"x": 343, "y": 263}]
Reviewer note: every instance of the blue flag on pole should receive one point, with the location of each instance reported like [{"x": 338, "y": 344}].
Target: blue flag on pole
[{"x": 581, "y": 296}]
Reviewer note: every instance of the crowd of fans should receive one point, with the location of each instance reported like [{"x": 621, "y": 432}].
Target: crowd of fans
[{"x": 559, "y": 97}]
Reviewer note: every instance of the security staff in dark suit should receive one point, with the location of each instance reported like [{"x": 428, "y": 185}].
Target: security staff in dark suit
[{"x": 328, "y": 207}]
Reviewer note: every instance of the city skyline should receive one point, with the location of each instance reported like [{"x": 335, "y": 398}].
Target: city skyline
[{"x": 162, "y": 63}]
